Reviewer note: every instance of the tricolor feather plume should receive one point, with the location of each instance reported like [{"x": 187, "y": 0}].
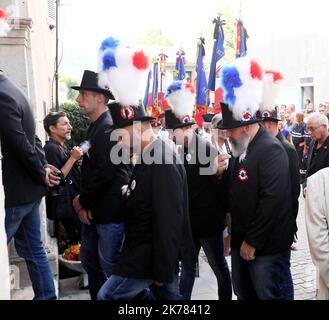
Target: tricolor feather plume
[
  {"x": 271, "y": 89},
  {"x": 4, "y": 26},
  {"x": 242, "y": 85},
  {"x": 123, "y": 70},
  {"x": 181, "y": 98}
]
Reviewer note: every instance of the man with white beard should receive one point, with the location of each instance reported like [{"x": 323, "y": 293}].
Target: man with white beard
[{"x": 263, "y": 225}]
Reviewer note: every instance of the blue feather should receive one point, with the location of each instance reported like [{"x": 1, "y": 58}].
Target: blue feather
[
  {"x": 175, "y": 86},
  {"x": 230, "y": 79},
  {"x": 109, "y": 59},
  {"x": 109, "y": 42}
]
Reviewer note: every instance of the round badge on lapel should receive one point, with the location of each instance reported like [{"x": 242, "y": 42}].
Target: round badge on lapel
[
  {"x": 243, "y": 175},
  {"x": 133, "y": 185},
  {"x": 188, "y": 157}
]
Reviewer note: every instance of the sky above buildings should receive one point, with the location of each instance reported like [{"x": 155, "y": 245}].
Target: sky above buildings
[{"x": 83, "y": 24}]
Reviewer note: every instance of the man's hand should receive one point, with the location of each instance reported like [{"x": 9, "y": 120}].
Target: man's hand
[
  {"x": 76, "y": 153},
  {"x": 221, "y": 163},
  {"x": 247, "y": 252},
  {"x": 76, "y": 203},
  {"x": 85, "y": 216},
  {"x": 52, "y": 179}
]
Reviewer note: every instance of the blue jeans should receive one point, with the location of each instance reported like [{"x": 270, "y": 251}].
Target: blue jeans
[
  {"x": 121, "y": 288},
  {"x": 23, "y": 224},
  {"x": 214, "y": 249},
  {"x": 100, "y": 249},
  {"x": 265, "y": 278}
]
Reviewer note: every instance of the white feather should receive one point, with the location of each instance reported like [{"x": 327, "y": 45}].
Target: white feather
[
  {"x": 4, "y": 28},
  {"x": 182, "y": 102},
  {"x": 271, "y": 90},
  {"x": 249, "y": 95},
  {"x": 126, "y": 82}
]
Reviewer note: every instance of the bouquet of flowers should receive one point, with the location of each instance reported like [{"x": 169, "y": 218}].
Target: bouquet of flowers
[{"x": 72, "y": 253}]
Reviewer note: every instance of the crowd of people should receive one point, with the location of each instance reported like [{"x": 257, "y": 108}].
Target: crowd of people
[{"x": 142, "y": 220}]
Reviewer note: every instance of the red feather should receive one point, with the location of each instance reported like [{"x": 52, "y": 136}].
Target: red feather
[
  {"x": 140, "y": 60},
  {"x": 3, "y": 14},
  {"x": 255, "y": 70},
  {"x": 276, "y": 75},
  {"x": 190, "y": 87}
]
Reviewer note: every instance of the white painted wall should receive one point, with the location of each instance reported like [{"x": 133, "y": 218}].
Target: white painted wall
[{"x": 290, "y": 37}]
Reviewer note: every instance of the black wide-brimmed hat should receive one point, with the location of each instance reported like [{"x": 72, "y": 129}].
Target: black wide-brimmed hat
[
  {"x": 207, "y": 117},
  {"x": 89, "y": 82},
  {"x": 173, "y": 122},
  {"x": 229, "y": 122},
  {"x": 269, "y": 115},
  {"x": 124, "y": 116}
]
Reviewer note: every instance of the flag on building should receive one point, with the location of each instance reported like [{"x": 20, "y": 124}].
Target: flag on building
[
  {"x": 241, "y": 40},
  {"x": 201, "y": 85},
  {"x": 180, "y": 65},
  {"x": 217, "y": 62}
]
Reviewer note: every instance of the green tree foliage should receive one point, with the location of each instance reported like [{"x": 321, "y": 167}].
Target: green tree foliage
[
  {"x": 155, "y": 37},
  {"x": 72, "y": 94},
  {"x": 78, "y": 121}
]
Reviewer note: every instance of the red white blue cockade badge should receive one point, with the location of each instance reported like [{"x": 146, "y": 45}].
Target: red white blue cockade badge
[
  {"x": 243, "y": 175},
  {"x": 247, "y": 116},
  {"x": 267, "y": 114},
  {"x": 127, "y": 113},
  {"x": 185, "y": 119}
]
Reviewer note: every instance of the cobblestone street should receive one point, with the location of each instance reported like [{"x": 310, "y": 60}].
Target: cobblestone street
[{"x": 302, "y": 268}]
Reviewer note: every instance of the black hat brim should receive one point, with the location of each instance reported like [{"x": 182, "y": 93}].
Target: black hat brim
[
  {"x": 181, "y": 125},
  {"x": 130, "y": 122},
  {"x": 271, "y": 119},
  {"x": 236, "y": 124},
  {"x": 106, "y": 93}
]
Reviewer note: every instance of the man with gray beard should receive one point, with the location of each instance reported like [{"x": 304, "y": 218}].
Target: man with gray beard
[
  {"x": 263, "y": 225},
  {"x": 262, "y": 221}
]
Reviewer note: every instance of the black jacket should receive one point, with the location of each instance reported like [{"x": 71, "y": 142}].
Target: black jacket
[
  {"x": 294, "y": 172},
  {"x": 101, "y": 179},
  {"x": 23, "y": 161},
  {"x": 207, "y": 213},
  {"x": 317, "y": 159},
  {"x": 59, "y": 199},
  {"x": 156, "y": 219},
  {"x": 260, "y": 197}
]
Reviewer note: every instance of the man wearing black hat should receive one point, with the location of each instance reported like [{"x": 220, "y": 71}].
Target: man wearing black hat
[
  {"x": 203, "y": 165},
  {"x": 99, "y": 204},
  {"x": 156, "y": 212},
  {"x": 270, "y": 122},
  {"x": 206, "y": 126},
  {"x": 263, "y": 224}
]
